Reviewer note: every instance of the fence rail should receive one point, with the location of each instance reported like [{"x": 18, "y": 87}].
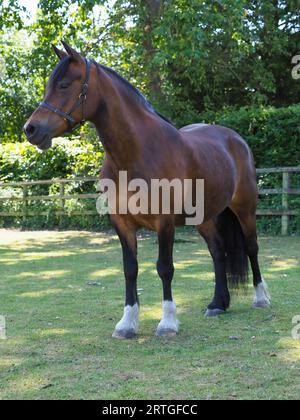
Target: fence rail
[
  {"x": 285, "y": 192},
  {"x": 284, "y": 212}
]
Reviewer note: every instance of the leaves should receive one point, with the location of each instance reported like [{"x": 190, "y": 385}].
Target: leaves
[{"x": 187, "y": 56}]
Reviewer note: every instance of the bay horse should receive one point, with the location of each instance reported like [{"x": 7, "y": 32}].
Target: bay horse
[{"x": 139, "y": 140}]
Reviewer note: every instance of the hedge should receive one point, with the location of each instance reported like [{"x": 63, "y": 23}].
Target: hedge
[
  {"x": 274, "y": 137},
  {"x": 67, "y": 159},
  {"x": 272, "y": 133}
]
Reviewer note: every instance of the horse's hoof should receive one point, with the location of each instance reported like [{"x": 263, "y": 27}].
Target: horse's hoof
[
  {"x": 214, "y": 312},
  {"x": 166, "y": 332},
  {"x": 124, "y": 334},
  {"x": 262, "y": 297},
  {"x": 263, "y": 304}
]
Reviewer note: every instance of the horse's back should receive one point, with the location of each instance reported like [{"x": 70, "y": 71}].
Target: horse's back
[
  {"x": 193, "y": 127},
  {"x": 225, "y": 158},
  {"x": 216, "y": 134},
  {"x": 218, "y": 139}
]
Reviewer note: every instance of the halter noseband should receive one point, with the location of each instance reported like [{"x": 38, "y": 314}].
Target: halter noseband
[{"x": 67, "y": 116}]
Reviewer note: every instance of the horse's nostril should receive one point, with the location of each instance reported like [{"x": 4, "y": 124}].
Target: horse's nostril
[{"x": 31, "y": 130}]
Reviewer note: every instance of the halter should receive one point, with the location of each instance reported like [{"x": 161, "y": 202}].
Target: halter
[{"x": 82, "y": 97}]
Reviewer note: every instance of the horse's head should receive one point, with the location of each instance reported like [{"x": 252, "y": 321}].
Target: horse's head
[{"x": 69, "y": 99}]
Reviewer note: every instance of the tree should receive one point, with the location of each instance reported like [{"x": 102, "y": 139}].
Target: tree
[
  {"x": 29, "y": 59},
  {"x": 194, "y": 55},
  {"x": 10, "y": 14},
  {"x": 187, "y": 56}
]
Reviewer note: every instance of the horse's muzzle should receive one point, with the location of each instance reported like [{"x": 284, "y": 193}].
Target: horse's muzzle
[{"x": 38, "y": 135}]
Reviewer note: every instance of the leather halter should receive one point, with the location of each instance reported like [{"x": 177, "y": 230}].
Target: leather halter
[{"x": 82, "y": 97}]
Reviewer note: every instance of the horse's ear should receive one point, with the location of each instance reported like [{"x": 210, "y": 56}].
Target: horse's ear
[
  {"x": 72, "y": 53},
  {"x": 60, "y": 54}
]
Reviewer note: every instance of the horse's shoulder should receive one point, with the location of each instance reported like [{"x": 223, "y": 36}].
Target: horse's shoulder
[{"x": 108, "y": 169}]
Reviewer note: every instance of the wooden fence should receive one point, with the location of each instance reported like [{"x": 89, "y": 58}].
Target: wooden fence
[
  {"x": 284, "y": 212},
  {"x": 285, "y": 192}
]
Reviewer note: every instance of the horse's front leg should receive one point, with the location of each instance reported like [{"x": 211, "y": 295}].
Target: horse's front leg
[
  {"x": 128, "y": 326},
  {"x": 168, "y": 326}
]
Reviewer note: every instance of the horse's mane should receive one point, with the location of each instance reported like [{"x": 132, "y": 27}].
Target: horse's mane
[{"x": 132, "y": 89}]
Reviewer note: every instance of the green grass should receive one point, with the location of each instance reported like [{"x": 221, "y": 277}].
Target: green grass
[{"x": 59, "y": 329}]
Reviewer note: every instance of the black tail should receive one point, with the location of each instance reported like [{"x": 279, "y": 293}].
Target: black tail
[{"x": 235, "y": 247}]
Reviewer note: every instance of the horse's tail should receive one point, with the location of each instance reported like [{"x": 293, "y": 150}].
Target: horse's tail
[{"x": 235, "y": 248}]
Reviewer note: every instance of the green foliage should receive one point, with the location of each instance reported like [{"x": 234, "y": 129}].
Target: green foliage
[
  {"x": 28, "y": 57},
  {"x": 10, "y": 14},
  {"x": 21, "y": 162},
  {"x": 188, "y": 56},
  {"x": 18, "y": 97},
  {"x": 204, "y": 55},
  {"x": 272, "y": 133}
]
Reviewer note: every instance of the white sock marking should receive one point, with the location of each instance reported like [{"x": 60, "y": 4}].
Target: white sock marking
[
  {"x": 262, "y": 296},
  {"x": 130, "y": 320},
  {"x": 169, "y": 320}
]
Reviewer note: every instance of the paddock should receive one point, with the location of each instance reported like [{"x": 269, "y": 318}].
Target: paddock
[{"x": 60, "y": 294}]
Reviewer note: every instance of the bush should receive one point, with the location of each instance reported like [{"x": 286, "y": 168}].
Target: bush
[
  {"x": 67, "y": 159},
  {"x": 272, "y": 133},
  {"x": 274, "y": 137}
]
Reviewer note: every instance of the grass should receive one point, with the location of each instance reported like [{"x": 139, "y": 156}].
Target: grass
[{"x": 59, "y": 343}]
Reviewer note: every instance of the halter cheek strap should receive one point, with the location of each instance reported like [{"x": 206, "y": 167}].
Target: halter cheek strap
[{"x": 67, "y": 116}]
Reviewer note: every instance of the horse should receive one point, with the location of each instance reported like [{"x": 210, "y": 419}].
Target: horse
[{"x": 139, "y": 140}]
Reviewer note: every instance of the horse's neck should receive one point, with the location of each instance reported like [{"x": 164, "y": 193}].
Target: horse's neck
[
  {"x": 120, "y": 122},
  {"x": 118, "y": 137}
]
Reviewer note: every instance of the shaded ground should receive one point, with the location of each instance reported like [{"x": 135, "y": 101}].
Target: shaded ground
[{"x": 59, "y": 329}]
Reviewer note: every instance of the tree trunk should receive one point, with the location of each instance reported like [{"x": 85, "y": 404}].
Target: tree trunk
[{"x": 153, "y": 10}]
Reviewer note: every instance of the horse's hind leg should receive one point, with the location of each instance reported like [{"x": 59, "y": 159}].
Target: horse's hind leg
[
  {"x": 168, "y": 326},
  {"x": 221, "y": 300},
  {"x": 248, "y": 224}
]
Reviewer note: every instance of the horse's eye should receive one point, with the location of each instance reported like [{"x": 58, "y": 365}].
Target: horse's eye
[{"x": 64, "y": 85}]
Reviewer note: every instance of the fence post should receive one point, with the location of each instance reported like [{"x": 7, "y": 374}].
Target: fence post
[
  {"x": 62, "y": 201},
  {"x": 25, "y": 203},
  {"x": 285, "y": 203}
]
